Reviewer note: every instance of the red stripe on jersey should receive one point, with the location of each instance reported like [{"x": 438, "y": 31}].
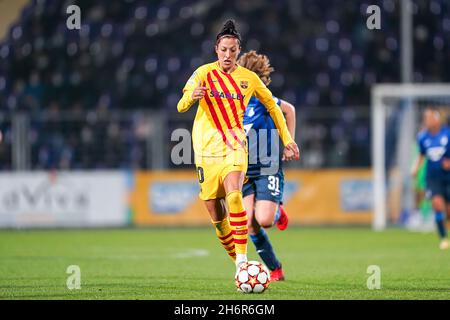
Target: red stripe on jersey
[
  {"x": 215, "y": 118},
  {"x": 222, "y": 110},
  {"x": 232, "y": 254},
  {"x": 238, "y": 223},
  {"x": 225, "y": 237},
  {"x": 235, "y": 86},
  {"x": 238, "y": 214},
  {"x": 230, "y": 99},
  {"x": 240, "y": 241}
]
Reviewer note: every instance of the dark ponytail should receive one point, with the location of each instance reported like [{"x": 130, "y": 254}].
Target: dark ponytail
[{"x": 229, "y": 30}]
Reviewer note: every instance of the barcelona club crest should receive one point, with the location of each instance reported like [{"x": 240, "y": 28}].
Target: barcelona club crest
[{"x": 244, "y": 84}]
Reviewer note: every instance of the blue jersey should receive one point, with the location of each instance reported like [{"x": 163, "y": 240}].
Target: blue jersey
[
  {"x": 434, "y": 147},
  {"x": 259, "y": 127}
]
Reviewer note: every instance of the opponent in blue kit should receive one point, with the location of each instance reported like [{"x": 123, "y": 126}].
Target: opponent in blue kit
[
  {"x": 434, "y": 145},
  {"x": 263, "y": 188}
]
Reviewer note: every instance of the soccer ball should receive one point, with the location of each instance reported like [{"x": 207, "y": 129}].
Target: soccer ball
[{"x": 252, "y": 277}]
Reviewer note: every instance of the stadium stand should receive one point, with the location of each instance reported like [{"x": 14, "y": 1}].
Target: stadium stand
[{"x": 77, "y": 84}]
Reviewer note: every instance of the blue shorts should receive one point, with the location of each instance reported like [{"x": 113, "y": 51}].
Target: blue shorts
[
  {"x": 265, "y": 187},
  {"x": 438, "y": 187}
]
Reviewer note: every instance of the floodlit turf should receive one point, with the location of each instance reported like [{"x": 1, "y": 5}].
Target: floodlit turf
[{"x": 322, "y": 263}]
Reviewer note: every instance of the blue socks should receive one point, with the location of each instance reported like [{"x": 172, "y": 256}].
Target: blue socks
[
  {"x": 440, "y": 222},
  {"x": 265, "y": 250}
]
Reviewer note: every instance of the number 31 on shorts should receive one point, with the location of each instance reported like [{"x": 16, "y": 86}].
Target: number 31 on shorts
[{"x": 274, "y": 184}]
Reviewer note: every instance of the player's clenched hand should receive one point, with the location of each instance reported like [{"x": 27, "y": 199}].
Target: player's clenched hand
[
  {"x": 291, "y": 152},
  {"x": 446, "y": 164},
  {"x": 199, "y": 92},
  {"x": 287, "y": 155}
]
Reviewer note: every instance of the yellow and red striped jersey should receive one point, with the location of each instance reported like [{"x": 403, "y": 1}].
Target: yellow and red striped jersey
[{"x": 218, "y": 125}]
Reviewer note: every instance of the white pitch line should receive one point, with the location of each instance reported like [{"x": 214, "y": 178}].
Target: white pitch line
[{"x": 189, "y": 253}]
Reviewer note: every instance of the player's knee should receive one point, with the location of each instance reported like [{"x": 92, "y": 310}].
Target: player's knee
[
  {"x": 265, "y": 222},
  {"x": 234, "y": 198},
  {"x": 438, "y": 204}
]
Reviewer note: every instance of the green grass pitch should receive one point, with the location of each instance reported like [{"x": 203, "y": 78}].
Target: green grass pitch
[{"x": 320, "y": 263}]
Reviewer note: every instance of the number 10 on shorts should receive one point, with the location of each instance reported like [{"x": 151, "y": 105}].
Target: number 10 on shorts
[{"x": 200, "y": 173}]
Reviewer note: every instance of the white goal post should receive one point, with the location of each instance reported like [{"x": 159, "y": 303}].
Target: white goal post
[{"x": 380, "y": 94}]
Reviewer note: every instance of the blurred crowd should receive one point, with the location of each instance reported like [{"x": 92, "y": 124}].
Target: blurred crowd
[{"x": 136, "y": 55}]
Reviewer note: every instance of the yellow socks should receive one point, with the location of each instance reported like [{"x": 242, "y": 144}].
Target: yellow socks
[
  {"x": 238, "y": 222},
  {"x": 225, "y": 235}
]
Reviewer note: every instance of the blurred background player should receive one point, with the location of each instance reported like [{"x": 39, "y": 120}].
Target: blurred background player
[
  {"x": 263, "y": 193},
  {"x": 223, "y": 89},
  {"x": 433, "y": 144},
  {"x": 420, "y": 219}
]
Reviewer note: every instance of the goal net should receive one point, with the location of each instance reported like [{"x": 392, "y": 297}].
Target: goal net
[{"x": 396, "y": 119}]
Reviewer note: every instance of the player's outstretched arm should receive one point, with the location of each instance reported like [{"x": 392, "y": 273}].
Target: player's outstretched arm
[
  {"x": 185, "y": 102},
  {"x": 193, "y": 91},
  {"x": 289, "y": 113},
  {"x": 265, "y": 96},
  {"x": 191, "y": 96},
  {"x": 446, "y": 157},
  {"x": 416, "y": 165}
]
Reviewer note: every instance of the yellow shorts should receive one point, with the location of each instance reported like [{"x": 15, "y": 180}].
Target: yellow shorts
[{"x": 211, "y": 172}]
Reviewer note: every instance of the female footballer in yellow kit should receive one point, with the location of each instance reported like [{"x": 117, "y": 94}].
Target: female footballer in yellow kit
[{"x": 223, "y": 89}]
